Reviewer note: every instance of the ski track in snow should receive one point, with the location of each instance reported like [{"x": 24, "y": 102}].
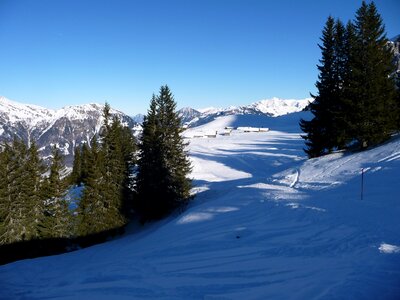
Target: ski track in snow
[{"x": 266, "y": 224}]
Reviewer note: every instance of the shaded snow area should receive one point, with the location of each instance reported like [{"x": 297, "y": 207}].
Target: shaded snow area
[{"x": 266, "y": 224}]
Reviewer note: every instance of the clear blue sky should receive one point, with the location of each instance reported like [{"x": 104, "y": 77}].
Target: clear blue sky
[{"x": 211, "y": 53}]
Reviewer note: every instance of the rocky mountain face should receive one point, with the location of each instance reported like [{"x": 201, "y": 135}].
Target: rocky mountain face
[
  {"x": 187, "y": 114},
  {"x": 395, "y": 45},
  {"x": 65, "y": 128}
]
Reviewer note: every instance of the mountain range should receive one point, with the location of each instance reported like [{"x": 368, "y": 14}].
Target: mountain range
[
  {"x": 273, "y": 107},
  {"x": 70, "y": 126},
  {"x": 64, "y": 128}
]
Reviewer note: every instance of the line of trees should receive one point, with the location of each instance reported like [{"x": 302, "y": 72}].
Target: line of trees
[
  {"x": 119, "y": 177},
  {"x": 32, "y": 206},
  {"x": 357, "y": 103}
]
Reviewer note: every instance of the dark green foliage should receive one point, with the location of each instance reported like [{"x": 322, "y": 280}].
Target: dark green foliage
[
  {"x": 163, "y": 166},
  {"x": 320, "y": 137},
  {"x": 57, "y": 219},
  {"x": 92, "y": 207},
  {"x": 106, "y": 171},
  {"x": 21, "y": 197},
  {"x": 356, "y": 93},
  {"x": 33, "y": 207},
  {"x": 371, "y": 88},
  {"x": 76, "y": 175},
  {"x": 80, "y": 166}
]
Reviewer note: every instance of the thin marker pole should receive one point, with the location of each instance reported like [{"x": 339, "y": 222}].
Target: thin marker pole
[{"x": 362, "y": 183}]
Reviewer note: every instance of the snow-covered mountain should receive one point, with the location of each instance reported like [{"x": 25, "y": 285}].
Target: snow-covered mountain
[
  {"x": 274, "y": 107},
  {"x": 65, "y": 127},
  {"x": 266, "y": 223},
  {"x": 187, "y": 114}
]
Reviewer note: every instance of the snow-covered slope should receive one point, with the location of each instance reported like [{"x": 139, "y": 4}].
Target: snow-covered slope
[
  {"x": 65, "y": 128},
  {"x": 266, "y": 224}
]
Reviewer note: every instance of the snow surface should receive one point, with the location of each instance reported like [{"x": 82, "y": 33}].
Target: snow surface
[{"x": 266, "y": 224}]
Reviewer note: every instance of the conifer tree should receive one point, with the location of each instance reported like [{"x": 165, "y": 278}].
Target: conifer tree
[
  {"x": 122, "y": 163},
  {"x": 91, "y": 209},
  {"x": 319, "y": 131},
  {"x": 21, "y": 197},
  {"x": 58, "y": 219},
  {"x": 163, "y": 165},
  {"x": 85, "y": 153},
  {"x": 75, "y": 178},
  {"x": 340, "y": 136},
  {"x": 108, "y": 182},
  {"x": 8, "y": 169},
  {"x": 371, "y": 88},
  {"x": 113, "y": 169},
  {"x": 356, "y": 93}
]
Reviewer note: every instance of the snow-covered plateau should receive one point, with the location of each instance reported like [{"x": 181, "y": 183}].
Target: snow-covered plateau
[{"x": 266, "y": 223}]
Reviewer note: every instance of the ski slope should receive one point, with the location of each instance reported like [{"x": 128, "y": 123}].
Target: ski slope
[{"x": 266, "y": 224}]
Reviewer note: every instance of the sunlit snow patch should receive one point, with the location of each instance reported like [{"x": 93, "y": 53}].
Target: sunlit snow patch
[
  {"x": 294, "y": 205},
  {"x": 195, "y": 217},
  {"x": 387, "y": 248},
  {"x": 204, "y": 216},
  {"x": 222, "y": 209}
]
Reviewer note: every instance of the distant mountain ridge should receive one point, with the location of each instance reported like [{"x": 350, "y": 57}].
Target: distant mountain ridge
[
  {"x": 66, "y": 127},
  {"x": 273, "y": 107}
]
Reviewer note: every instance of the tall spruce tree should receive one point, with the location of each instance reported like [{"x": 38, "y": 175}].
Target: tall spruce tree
[
  {"x": 33, "y": 191},
  {"x": 75, "y": 178},
  {"x": 371, "y": 91},
  {"x": 8, "y": 191},
  {"x": 113, "y": 168},
  {"x": 92, "y": 208},
  {"x": 163, "y": 165},
  {"x": 320, "y": 130},
  {"x": 339, "y": 106},
  {"x": 124, "y": 147},
  {"x": 58, "y": 220}
]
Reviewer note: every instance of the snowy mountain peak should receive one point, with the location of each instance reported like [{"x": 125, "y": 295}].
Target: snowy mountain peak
[
  {"x": 273, "y": 107},
  {"x": 16, "y": 112},
  {"x": 187, "y": 114},
  {"x": 66, "y": 127},
  {"x": 278, "y": 107}
]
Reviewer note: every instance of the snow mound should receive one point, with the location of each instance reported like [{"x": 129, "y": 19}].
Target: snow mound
[{"x": 387, "y": 248}]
